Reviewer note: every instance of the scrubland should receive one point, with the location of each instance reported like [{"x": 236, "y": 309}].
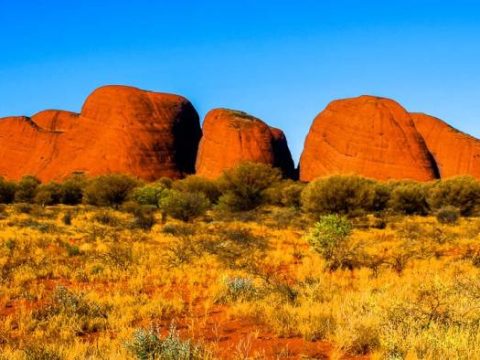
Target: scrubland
[{"x": 266, "y": 280}]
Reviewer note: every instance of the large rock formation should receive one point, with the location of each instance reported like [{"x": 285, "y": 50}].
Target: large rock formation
[
  {"x": 120, "y": 129},
  {"x": 369, "y": 136},
  {"x": 232, "y": 137},
  {"x": 456, "y": 153}
]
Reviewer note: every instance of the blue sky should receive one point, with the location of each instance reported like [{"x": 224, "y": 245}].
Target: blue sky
[{"x": 282, "y": 61}]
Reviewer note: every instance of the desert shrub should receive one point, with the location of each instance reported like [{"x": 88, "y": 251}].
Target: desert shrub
[
  {"x": 448, "y": 215},
  {"x": 72, "y": 190},
  {"x": 148, "y": 344},
  {"x": 67, "y": 218},
  {"x": 461, "y": 192},
  {"x": 198, "y": 184},
  {"x": 338, "y": 194},
  {"x": 143, "y": 218},
  {"x": 178, "y": 229},
  {"x": 105, "y": 218},
  {"x": 238, "y": 288},
  {"x": 409, "y": 198},
  {"x": 48, "y": 194},
  {"x": 7, "y": 191},
  {"x": 244, "y": 187},
  {"x": 330, "y": 238},
  {"x": 381, "y": 197},
  {"x": 109, "y": 190},
  {"x": 39, "y": 352},
  {"x": 26, "y": 189},
  {"x": 183, "y": 205},
  {"x": 285, "y": 193},
  {"x": 150, "y": 194}
]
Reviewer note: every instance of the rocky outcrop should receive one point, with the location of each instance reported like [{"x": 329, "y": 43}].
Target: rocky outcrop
[
  {"x": 369, "y": 136},
  {"x": 120, "y": 129},
  {"x": 455, "y": 153},
  {"x": 231, "y": 137}
]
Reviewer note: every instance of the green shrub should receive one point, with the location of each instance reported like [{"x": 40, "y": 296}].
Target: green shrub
[
  {"x": 409, "y": 198},
  {"x": 461, "y": 192},
  {"x": 244, "y": 187},
  {"x": 150, "y": 194},
  {"x": 148, "y": 345},
  {"x": 330, "y": 238},
  {"x": 109, "y": 190},
  {"x": 48, "y": 194},
  {"x": 144, "y": 218},
  {"x": 285, "y": 193},
  {"x": 72, "y": 190},
  {"x": 339, "y": 194},
  {"x": 7, "y": 191},
  {"x": 448, "y": 215},
  {"x": 197, "y": 184},
  {"x": 184, "y": 206},
  {"x": 26, "y": 189}
]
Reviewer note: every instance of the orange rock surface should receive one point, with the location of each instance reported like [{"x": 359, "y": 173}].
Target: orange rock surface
[
  {"x": 120, "y": 129},
  {"x": 369, "y": 136},
  {"x": 232, "y": 137},
  {"x": 456, "y": 153}
]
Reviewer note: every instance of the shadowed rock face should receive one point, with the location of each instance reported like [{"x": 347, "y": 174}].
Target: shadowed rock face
[
  {"x": 369, "y": 136},
  {"x": 120, "y": 129},
  {"x": 456, "y": 153},
  {"x": 232, "y": 137}
]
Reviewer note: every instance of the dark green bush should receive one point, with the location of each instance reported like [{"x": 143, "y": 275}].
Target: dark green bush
[
  {"x": 48, "y": 194},
  {"x": 285, "y": 193},
  {"x": 7, "y": 191},
  {"x": 109, "y": 190},
  {"x": 183, "y": 205},
  {"x": 461, "y": 192},
  {"x": 72, "y": 190},
  {"x": 448, "y": 215},
  {"x": 150, "y": 194},
  {"x": 197, "y": 184},
  {"x": 409, "y": 198},
  {"x": 244, "y": 187},
  {"x": 339, "y": 194},
  {"x": 26, "y": 189},
  {"x": 144, "y": 218}
]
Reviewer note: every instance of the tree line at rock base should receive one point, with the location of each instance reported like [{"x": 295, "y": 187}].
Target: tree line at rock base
[{"x": 249, "y": 186}]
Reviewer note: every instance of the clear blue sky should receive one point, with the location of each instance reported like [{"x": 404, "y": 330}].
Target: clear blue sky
[{"x": 282, "y": 61}]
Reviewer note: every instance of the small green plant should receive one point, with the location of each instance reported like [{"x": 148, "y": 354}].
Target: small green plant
[
  {"x": 26, "y": 189},
  {"x": 409, "y": 198},
  {"x": 448, "y": 215},
  {"x": 148, "y": 345},
  {"x": 330, "y": 238}
]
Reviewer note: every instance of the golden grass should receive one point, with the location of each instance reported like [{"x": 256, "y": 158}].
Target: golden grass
[{"x": 417, "y": 295}]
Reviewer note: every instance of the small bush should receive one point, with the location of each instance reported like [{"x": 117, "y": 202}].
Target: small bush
[
  {"x": 339, "y": 194},
  {"x": 48, "y": 194},
  {"x": 244, "y": 187},
  {"x": 67, "y": 218},
  {"x": 72, "y": 190},
  {"x": 7, "y": 191},
  {"x": 448, "y": 215},
  {"x": 330, "y": 238},
  {"x": 409, "y": 198},
  {"x": 197, "y": 184},
  {"x": 150, "y": 194},
  {"x": 147, "y": 345},
  {"x": 109, "y": 190},
  {"x": 144, "y": 218},
  {"x": 26, "y": 189},
  {"x": 462, "y": 193},
  {"x": 184, "y": 206}
]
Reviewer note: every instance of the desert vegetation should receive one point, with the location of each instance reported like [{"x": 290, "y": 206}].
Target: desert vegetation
[{"x": 250, "y": 266}]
